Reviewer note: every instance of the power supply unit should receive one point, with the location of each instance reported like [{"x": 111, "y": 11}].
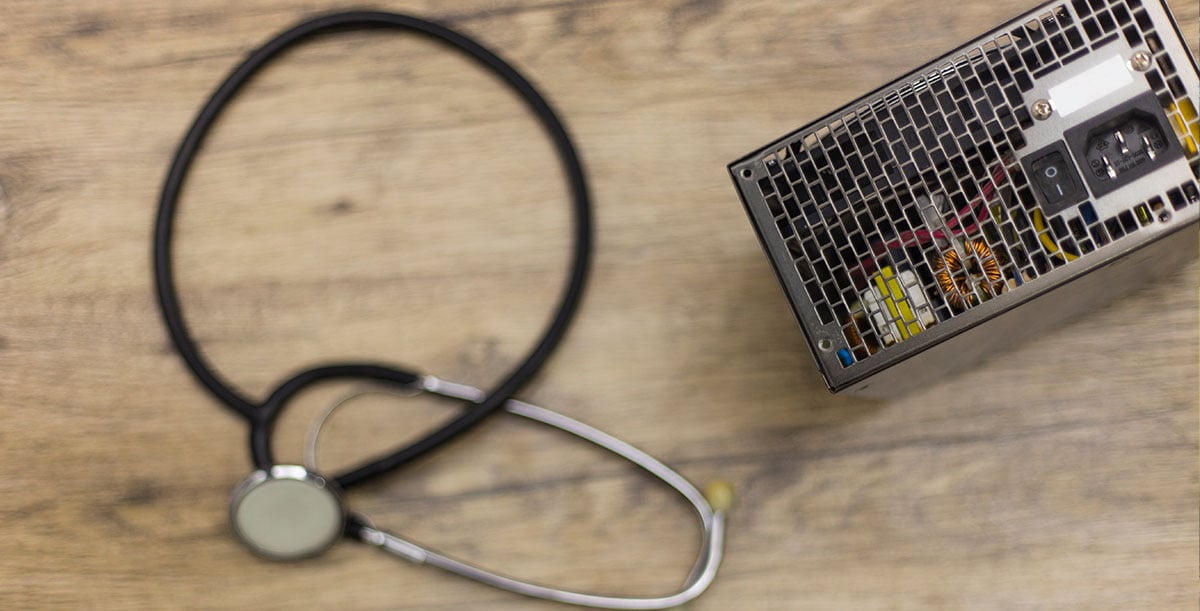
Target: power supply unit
[{"x": 1032, "y": 173}]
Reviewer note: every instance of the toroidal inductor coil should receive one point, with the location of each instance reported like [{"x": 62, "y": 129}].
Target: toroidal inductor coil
[{"x": 959, "y": 280}]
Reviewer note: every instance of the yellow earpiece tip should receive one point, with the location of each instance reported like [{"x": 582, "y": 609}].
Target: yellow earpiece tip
[{"x": 719, "y": 494}]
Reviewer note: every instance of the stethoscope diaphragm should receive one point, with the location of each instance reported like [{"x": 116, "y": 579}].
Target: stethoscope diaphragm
[{"x": 286, "y": 513}]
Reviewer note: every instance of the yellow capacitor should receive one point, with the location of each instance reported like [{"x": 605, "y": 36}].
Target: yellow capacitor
[
  {"x": 1186, "y": 124},
  {"x": 897, "y": 303}
]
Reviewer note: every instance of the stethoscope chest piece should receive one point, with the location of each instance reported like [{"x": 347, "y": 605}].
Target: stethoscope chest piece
[{"x": 286, "y": 513}]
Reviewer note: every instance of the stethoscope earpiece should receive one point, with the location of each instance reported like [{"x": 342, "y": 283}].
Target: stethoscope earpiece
[{"x": 286, "y": 513}]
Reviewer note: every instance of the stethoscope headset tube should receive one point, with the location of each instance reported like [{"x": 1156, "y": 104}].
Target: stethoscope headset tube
[
  {"x": 261, "y": 416},
  {"x": 272, "y": 485}
]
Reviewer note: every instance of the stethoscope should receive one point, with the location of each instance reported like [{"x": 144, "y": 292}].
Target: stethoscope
[{"x": 290, "y": 512}]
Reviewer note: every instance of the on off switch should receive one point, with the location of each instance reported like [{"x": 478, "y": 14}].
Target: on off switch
[
  {"x": 1054, "y": 175},
  {"x": 1054, "y": 178}
]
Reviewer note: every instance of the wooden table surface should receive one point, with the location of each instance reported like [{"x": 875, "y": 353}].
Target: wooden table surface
[{"x": 372, "y": 196}]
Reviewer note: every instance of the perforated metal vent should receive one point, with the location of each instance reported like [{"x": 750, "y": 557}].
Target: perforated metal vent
[{"x": 913, "y": 206}]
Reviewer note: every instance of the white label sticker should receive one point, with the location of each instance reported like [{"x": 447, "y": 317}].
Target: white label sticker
[{"x": 1094, "y": 84}]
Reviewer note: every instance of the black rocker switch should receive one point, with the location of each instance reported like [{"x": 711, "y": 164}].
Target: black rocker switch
[{"x": 1055, "y": 177}]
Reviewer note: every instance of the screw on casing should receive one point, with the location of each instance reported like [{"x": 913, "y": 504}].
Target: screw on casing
[
  {"x": 1042, "y": 109},
  {"x": 1140, "y": 61}
]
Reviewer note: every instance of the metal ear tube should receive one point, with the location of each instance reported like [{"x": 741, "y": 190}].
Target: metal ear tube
[{"x": 711, "y": 506}]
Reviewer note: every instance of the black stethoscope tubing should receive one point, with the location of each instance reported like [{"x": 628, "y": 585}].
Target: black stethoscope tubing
[{"x": 261, "y": 416}]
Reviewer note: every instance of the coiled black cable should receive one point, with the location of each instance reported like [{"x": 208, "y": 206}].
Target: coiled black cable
[{"x": 262, "y": 416}]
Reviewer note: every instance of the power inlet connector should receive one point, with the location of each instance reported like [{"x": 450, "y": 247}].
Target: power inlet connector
[{"x": 1124, "y": 144}]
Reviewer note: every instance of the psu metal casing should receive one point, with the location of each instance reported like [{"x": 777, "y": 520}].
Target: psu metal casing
[{"x": 1029, "y": 175}]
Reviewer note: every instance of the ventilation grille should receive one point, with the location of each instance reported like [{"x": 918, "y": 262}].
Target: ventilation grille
[{"x": 912, "y": 208}]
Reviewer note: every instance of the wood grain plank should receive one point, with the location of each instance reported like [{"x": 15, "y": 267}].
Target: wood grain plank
[{"x": 374, "y": 197}]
